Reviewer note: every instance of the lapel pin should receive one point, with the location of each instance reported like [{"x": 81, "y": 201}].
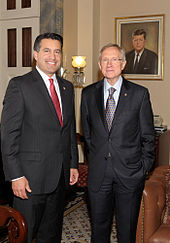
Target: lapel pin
[
  {"x": 64, "y": 88},
  {"x": 125, "y": 94}
]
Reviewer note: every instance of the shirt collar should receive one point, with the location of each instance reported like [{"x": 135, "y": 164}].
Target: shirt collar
[
  {"x": 140, "y": 53},
  {"x": 45, "y": 76},
  {"x": 117, "y": 85}
]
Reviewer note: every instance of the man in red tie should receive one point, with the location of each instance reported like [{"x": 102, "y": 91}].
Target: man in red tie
[{"x": 38, "y": 137}]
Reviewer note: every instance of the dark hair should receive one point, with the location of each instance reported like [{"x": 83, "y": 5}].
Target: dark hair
[
  {"x": 53, "y": 36},
  {"x": 116, "y": 46},
  {"x": 139, "y": 32}
]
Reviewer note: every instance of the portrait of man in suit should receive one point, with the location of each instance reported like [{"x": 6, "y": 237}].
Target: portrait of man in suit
[
  {"x": 141, "y": 60},
  {"x": 38, "y": 140},
  {"x": 117, "y": 122}
]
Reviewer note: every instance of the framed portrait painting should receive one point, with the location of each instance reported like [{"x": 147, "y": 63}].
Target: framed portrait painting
[{"x": 142, "y": 38}]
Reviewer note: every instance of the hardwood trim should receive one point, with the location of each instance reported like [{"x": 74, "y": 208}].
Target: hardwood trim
[
  {"x": 26, "y": 4},
  {"x": 27, "y": 47},
  {"x": 11, "y": 4},
  {"x": 12, "y": 60}
]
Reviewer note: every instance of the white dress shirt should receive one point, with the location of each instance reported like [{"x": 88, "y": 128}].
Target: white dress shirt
[
  {"x": 116, "y": 94},
  {"x": 139, "y": 56},
  {"x": 45, "y": 77}
]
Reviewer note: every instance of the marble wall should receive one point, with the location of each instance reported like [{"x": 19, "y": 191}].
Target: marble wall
[{"x": 51, "y": 16}]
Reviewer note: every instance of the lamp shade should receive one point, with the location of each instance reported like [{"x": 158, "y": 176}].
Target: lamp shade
[{"x": 78, "y": 61}]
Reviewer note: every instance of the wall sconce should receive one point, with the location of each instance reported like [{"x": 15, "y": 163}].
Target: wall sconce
[{"x": 78, "y": 62}]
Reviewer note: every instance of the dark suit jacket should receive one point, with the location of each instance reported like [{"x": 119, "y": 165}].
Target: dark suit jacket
[
  {"x": 131, "y": 141},
  {"x": 33, "y": 143},
  {"x": 148, "y": 63}
]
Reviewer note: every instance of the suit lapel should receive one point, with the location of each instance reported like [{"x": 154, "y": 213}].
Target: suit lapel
[
  {"x": 131, "y": 61},
  {"x": 100, "y": 102},
  {"x": 63, "y": 94},
  {"x": 124, "y": 92},
  {"x": 142, "y": 59},
  {"x": 43, "y": 89}
]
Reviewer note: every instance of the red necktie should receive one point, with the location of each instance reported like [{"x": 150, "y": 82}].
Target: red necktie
[{"x": 55, "y": 100}]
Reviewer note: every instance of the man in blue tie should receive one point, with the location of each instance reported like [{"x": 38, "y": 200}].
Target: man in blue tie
[{"x": 117, "y": 122}]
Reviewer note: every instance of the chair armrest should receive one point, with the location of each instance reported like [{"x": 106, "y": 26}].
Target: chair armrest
[
  {"x": 154, "y": 197},
  {"x": 4, "y": 234},
  {"x": 15, "y": 222}
]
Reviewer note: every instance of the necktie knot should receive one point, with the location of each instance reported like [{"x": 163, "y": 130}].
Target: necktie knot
[
  {"x": 137, "y": 57},
  {"x": 111, "y": 91},
  {"x": 51, "y": 80}
]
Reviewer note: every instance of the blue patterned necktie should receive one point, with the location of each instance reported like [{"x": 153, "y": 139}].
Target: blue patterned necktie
[{"x": 110, "y": 107}]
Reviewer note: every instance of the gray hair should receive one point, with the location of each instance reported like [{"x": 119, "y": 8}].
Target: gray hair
[{"x": 116, "y": 46}]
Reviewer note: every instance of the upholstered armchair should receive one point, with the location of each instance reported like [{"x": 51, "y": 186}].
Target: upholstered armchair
[{"x": 154, "y": 217}]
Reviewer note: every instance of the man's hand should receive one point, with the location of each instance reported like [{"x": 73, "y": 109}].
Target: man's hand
[
  {"x": 73, "y": 176},
  {"x": 20, "y": 186}
]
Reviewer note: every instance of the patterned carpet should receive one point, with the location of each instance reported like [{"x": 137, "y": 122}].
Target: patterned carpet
[{"x": 76, "y": 227}]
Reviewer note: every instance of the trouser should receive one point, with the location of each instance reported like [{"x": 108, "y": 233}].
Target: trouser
[
  {"x": 113, "y": 196},
  {"x": 44, "y": 214}
]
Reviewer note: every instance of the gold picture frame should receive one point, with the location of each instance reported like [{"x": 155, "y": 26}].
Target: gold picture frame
[{"x": 154, "y": 27}]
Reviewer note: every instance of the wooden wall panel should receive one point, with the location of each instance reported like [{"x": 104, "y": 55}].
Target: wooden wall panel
[
  {"x": 11, "y": 4},
  {"x": 26, "y": 3},
  {"x": 27, "y": 47},
  {"x": 11, "y": 47}
]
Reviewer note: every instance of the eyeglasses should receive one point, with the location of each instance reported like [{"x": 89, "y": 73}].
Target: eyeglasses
[{"x": 112, "y": 61}]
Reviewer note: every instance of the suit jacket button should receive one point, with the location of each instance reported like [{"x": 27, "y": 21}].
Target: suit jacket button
[{"x": 109, "y": 155}]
